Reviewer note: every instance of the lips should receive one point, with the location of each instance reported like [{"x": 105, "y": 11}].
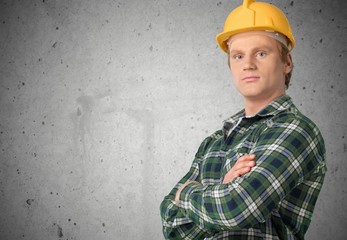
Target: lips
[{"x": 250, "y": 78}]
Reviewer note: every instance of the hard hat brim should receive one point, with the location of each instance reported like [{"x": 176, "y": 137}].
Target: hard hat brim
[{"x": 223, "y": 37}]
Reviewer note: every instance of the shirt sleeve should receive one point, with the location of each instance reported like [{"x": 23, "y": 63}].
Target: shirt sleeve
[
  {"x": 286, "y": 153},
  {"x": 176, "y": 224}
]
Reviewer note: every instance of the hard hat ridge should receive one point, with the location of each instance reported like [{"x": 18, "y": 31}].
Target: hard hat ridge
[{"x": 246, "y": 3}]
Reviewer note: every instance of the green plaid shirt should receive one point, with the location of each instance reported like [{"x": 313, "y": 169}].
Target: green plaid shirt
[{"x": 275, "y": 200}]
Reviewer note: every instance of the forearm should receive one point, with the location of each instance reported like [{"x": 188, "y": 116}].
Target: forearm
[
  {"x": 221, "y": 207},
  {"x": 178, "y": 193},
  {"x": 175, "y": 223},
  {"x": 173, "y": 217}
]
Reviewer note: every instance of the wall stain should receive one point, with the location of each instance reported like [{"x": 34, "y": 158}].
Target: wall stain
[
  {"x": 30, "y": 201},
  {"x": 60, "y": 232},
  {"x": 82, "y": 124}
]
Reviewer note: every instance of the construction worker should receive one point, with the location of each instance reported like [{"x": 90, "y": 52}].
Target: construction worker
[{"x": 260, "y": 175}]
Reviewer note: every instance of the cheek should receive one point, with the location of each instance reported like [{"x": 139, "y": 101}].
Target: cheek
[
  {"x": 274, "y": 69},
  {"x": 282, "y": 69},
  {"x": 234, "y": 71},
  {"x": 235, "y": 78}
]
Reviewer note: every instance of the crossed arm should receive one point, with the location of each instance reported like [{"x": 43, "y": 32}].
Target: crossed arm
[
  {"x": 178, "y": 226},
  {"x": 242, "y": 166},
  {"x": 285, "y": 155}
]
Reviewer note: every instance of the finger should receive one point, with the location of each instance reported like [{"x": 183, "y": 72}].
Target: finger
[
  {"x": 239, "y": 165},
  {"x": 234, "y": 174},
  {"x": 246, "y": 157},
  {"x": 229, "y": 177},
  {"x": 243, "y": 171}
]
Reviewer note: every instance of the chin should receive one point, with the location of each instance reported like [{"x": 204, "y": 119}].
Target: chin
[{"x": 250, "y": 94}]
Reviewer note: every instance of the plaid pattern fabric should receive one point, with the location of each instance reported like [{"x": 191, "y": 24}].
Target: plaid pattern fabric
[{"x": 275, "y": 200}]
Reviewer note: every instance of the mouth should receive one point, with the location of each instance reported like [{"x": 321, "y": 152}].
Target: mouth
[{"x": 250, "y": 78}]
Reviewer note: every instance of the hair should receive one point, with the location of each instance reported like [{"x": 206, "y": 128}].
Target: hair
[{"x": 284, "y": 51}]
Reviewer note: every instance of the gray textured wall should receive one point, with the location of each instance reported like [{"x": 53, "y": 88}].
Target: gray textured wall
[{"x": 103, "y": 104}]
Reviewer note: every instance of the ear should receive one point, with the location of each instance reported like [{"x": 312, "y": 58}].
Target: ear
[{"x": 288, "y": 65}]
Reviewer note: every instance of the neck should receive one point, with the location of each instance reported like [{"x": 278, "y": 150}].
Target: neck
[{"x": 253, "y": 106}]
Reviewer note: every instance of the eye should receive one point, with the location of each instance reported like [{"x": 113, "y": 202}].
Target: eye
[
  {"x": 237, "y": 56},
  {"x": 261, "y": 54}
]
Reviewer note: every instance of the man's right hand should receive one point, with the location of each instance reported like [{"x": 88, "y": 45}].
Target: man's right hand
[{"x": 242, "y": 166}]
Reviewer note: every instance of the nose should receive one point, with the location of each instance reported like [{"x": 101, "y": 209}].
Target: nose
[{"x": 249, "y": 64}]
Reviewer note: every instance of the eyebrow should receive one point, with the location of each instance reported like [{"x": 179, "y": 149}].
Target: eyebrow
[{"x": 262, "y": 47}]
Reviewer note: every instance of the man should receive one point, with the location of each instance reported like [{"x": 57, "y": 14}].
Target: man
[{"x": 259, "y": 177}]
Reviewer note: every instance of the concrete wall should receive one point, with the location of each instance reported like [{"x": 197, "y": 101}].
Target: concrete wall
[{"x": 103, "y": 104}]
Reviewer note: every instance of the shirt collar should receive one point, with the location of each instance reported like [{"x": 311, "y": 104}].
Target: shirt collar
[
  {"x": 278, "y": 105},
  {"x": 275, "y": 107}
]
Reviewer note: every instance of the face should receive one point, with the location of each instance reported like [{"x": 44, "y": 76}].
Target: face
[{"x": 257, "y": 68}]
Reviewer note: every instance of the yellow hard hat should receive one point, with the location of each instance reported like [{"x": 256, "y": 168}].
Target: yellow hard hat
[{"x": 254, "y": 15}]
